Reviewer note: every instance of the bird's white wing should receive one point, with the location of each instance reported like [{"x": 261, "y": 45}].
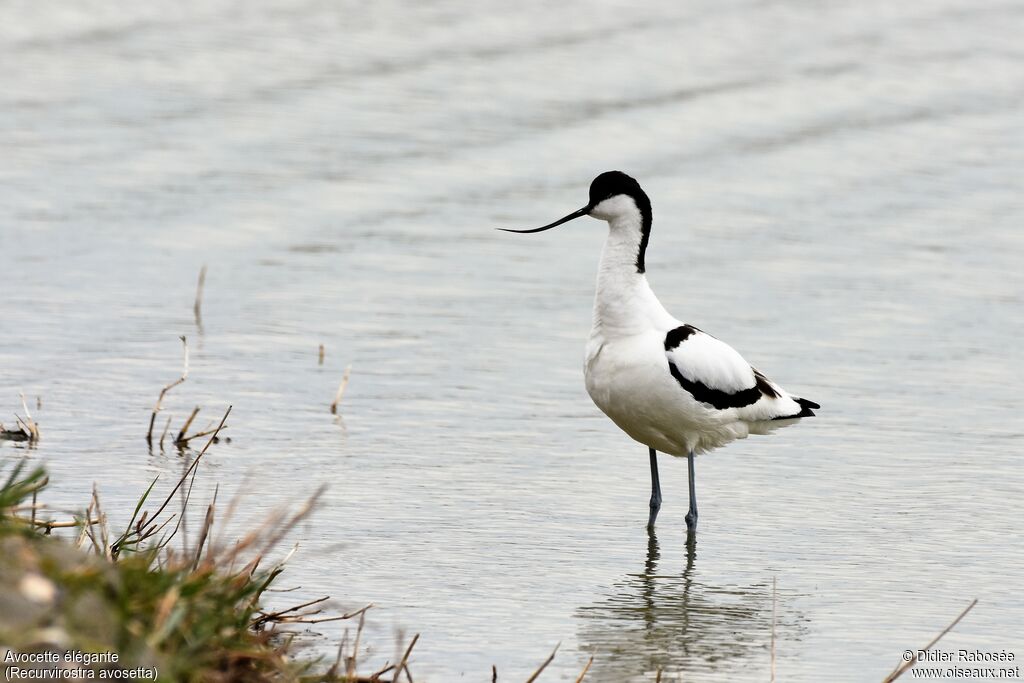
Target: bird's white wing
[
  {"x": 709, "y": 369},
  {"x": 715, "y": 374}
]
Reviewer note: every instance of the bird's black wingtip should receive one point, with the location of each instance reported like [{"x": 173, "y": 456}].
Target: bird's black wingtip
[{"x": 807, "y": 407}]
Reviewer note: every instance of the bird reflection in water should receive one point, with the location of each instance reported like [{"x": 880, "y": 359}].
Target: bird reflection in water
[{"x": 679, "y": 624}]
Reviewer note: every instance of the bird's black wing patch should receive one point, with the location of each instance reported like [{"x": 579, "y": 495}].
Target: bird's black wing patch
[
  {"x": 677, "y": 336},
  {"x": 716, "y": 397}
]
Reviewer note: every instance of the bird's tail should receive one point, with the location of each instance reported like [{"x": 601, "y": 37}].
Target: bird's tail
[{"x": 806, "y": 407}]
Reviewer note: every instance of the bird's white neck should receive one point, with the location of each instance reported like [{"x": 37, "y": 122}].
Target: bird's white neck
[{"x": 624, "y": 304}]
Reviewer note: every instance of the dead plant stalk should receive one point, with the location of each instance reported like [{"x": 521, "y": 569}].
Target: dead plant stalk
[
  {"x": 163, "y": 392},
  {"x": 341, "y": 390},
  {"x": 197, "y": 307},
  {"x": 902, "y": 667}
]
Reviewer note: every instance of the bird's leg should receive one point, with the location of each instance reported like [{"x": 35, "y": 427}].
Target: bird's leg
[
  {"x": 655, "y": 490},
  {"x": 691, "y": 516}
]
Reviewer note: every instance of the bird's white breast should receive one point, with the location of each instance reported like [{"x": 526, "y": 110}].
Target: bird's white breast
[{"x": 626, "y": 379}]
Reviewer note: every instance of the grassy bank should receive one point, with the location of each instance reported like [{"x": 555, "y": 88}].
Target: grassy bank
[{"x": 112, "y": 604}]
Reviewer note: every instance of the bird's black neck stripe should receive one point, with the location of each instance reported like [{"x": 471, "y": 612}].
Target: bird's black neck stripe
[{"x": 646, "y": 218}]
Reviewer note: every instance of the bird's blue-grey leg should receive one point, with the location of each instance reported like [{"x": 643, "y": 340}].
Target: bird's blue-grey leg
[
  {"x": 655, "y": 490},
  {"x": 691, "y": 516}
]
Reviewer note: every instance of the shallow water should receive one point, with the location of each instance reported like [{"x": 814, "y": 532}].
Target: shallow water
[{"x": 836, "y": 193}]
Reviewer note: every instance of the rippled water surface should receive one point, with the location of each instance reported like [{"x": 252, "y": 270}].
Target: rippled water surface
[{"x": 837, "y": 193}]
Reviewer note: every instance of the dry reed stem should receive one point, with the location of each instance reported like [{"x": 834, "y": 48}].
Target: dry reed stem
[
  {"x": 902, "y": 667},
  {"x": 184, "y": 428},
  {"x": 207, "y": 524},
  {"x": 44, "y": 524},
  {"x": 163, "y": 392},
  {"x": 359, "y": 637},
  {"x": 30, "y": 423},
  {"x": 579, "y": 679},
  {"x": 95, "y": 511},
  {"x": 305, "y": 618},
  {"x": 341, "y": 390},
  {"x": 341, "y": 648},
  {"x": 350, "y": 662},
  {"x": 280, "y": 616},
  {"x": 402, "y": 666},
  {"x": 230, "y": 513},
  {"x": 358, "y": 613},
  {"x": 543, "y": 666},
  {"x": 185, "y": 441},
  {"x": 24, "y": 405},
  {"x": 163, "y": 434},
  {"x": 332, "y": 673},
  {"x": 375, "y": 676},
  {"x": 103, "y": 527},
  {"x": 197, "y": 307},
  {"x": 405, "y": 658},
  {"x": 181, "y": 527},
  {"x": 32, "y": 507},
  {"x": 88, "y": 515},
  {"x": 28, "y": 428},
  {"x": 320, "y": 355}
]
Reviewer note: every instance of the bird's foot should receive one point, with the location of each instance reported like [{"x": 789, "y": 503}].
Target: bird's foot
[
  {"x": 655, "y": 508},
  {"x": 691, "y": 520}
]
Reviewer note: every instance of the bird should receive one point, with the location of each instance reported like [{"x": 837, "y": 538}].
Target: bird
[{"x": 667, "y": 384}]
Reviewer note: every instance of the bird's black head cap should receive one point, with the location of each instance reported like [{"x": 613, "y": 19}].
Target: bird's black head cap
[{"x": 612, "y": 183}]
